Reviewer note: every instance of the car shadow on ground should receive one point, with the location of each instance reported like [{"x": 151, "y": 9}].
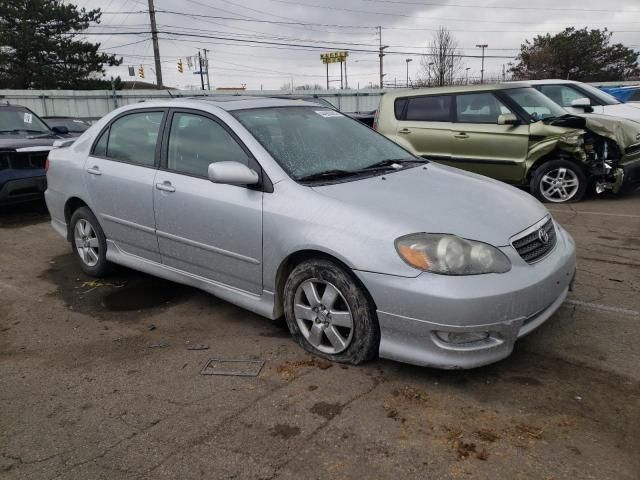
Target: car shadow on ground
[{"x": 23, "y": 214}]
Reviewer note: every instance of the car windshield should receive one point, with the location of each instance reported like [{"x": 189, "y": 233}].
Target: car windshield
[
  {"x": 537, "y": 105},
  {"x": 310, "y": 141},
  {"x": 604, "y": 97},
  {"x": 18, "y": 120}
]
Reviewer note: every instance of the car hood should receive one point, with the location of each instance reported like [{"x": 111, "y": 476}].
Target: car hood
[
  {"x": 624, "y": 110},
  {"x": 623, "y": 131},
  {"x": 17, "y": 143},
  {"x": 441, "y": 199}
]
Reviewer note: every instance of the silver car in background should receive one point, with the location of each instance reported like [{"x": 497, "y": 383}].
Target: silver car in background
[{"x": 285, "y": 207}]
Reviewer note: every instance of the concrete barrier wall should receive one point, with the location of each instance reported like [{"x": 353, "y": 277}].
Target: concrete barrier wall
[{"x": 96, "y": 103}]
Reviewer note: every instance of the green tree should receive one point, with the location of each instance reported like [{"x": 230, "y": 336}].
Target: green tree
[
  {"x": 39, "y": 46},
  {"x": 585, "y": 55}
]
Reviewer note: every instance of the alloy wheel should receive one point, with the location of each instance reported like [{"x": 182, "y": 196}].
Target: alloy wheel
[
  {"x": 559, "y": 185},
  {"x": 323, "y": 316},
  {"x": 87, "y": 244}
]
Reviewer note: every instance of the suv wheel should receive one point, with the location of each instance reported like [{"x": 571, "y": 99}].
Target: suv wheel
[
  {"x": 329, "y": 314},
  {"x": 559, "y": 181},
  {"x": 89, "y": 243}
]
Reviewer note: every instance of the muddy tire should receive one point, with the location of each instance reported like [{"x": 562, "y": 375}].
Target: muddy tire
[
  {"x": 329, "y": 314},
  {"x": 89, "y": 243},
  {"x": 559, "y": 181}
]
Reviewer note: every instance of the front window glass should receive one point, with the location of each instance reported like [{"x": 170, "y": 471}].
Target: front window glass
[
  {"x": 479, "y": 108},
  {"x": 561, "y": 94},
  {"x": 196, "y": 141},
  {"x": 311, "y": 140},
  {"x": 19, "y": 120},
  {"x": 535, "y": 104},
  {"x": 133, "y": 138}
]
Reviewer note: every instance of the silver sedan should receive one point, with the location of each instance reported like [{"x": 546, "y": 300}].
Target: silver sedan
[{"x": 288, "y": 208}]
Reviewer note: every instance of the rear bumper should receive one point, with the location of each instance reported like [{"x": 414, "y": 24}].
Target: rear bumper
[
  {"x": 16, "y": 190},
  {"x": 416, "y": 313}
]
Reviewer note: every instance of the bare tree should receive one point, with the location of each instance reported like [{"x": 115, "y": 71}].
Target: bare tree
[{"x": 442, "y": 64}]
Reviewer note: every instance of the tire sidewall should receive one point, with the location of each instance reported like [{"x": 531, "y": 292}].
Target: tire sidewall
[
  {"x": 103, "y": 266},
  {"x": 365, "y": 339},
  {"x": 552, "y": 165}
]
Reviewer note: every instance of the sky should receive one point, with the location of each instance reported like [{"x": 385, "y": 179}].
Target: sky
[{"x": 296, "y": 32}]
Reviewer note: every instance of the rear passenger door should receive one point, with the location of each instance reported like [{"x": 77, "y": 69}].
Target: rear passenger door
[
  {"x": 481, "y": 145},
  {"x": 120, "y": 173},
  {"x": 425, "y": 124},
  {"x": 207, "y": 229}
]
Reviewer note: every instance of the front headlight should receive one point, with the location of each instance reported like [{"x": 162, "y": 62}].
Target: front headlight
[{"x": 450, "y": 255}]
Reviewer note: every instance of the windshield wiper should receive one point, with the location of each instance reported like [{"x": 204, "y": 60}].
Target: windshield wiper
[
  {"x": 19, "y": 130},
  {"x": 389, "y": 163},
  {"x": 326, "y": 175}
]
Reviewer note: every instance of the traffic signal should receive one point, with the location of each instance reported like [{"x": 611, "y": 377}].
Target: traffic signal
[
  {"x": 141, "y": 71},
  {"x": 180, "y": 66}
]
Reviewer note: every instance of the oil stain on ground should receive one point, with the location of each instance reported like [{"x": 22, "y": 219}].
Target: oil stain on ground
[
  {"x": 326, "y": 410},
  {"x": 123, "y": 291}
]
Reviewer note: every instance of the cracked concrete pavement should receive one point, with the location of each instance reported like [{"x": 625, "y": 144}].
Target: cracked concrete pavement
[{"x": 83, "y": 396}]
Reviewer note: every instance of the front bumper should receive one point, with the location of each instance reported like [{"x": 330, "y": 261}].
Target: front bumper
[
  {"x": 503, "y": 306},
  {"x": 23, "y": 189}
]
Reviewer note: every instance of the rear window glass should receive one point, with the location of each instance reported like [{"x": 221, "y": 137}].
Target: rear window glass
[
  {"x": 398, "y": 107},
  {"x": 433, "y": 108}
]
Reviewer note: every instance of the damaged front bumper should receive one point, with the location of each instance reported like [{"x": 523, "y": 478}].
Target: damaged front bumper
[{"x": 469, "y": 321}]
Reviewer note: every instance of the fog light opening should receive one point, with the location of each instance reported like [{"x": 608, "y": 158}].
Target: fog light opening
[{"x": 462, "y": 338}]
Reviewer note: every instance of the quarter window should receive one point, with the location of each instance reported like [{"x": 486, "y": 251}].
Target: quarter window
[
  {"x": 133, "y": 138},
  {"x": 479, "y": 108},
  {"x": 196, "y": 141},
  {"x": 429, "y": 109}
]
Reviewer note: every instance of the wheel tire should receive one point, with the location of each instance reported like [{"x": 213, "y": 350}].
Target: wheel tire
[
  {"x": 94, "y": 264},
  {"x": 364, "y": 337},
  {"x": 540, "y": 186}
]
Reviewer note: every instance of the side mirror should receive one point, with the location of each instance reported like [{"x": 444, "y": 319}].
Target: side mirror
[
  {"x": 581, "y": 103},
  {"x": 61, "y": 130},
  {"x": 232, "y": 173},
  {"x": 508, "y": 119}
]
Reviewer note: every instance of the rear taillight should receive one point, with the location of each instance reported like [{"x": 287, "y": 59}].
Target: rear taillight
[
  {"x": 46, "y": 165},
  {"x": 375, "y": 120}
]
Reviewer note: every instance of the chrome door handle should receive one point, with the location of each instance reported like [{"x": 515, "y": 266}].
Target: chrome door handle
[
  {"x": 461, "y": 135},
  {"x": 404, "y": 131},
  {"x": 165, "y": 186},
  {"x": 94, "y": 170}
]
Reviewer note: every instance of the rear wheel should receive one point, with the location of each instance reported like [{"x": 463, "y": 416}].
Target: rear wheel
[
  {"x": 89, "y": 243},
  {"x": 329, "y": 314},
  {"x": 559, "y": 181}
]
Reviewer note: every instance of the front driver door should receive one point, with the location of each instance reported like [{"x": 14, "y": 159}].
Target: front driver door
[
  {"x": 482, "y": 146},
  {"x": 210, "y": 230}
]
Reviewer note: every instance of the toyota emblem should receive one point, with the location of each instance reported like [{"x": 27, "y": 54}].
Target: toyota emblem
[{"x": 543, "y": 236}]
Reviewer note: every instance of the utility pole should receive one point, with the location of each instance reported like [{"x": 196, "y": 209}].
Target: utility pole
[
  {"x": 346, "y": 83},
  {"x": 381, "y": 54},
  {"x": 504, "y": 75},
  {"x": 206, "y": 65},
  {"x": 467, "y": 81},
  {"x": 482, "y": 46},
  {"x": 200, "y": 69},
  {"x": 341, "y": 84},
  {"x": 408, "y": 60},
  {"x": 156, "y": 47}
]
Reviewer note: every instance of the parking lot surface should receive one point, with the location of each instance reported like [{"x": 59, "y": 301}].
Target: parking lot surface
[{"x": 101, "y": 379}]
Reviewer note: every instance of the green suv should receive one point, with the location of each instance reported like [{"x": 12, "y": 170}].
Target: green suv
[{"x": 514, "y": 133}]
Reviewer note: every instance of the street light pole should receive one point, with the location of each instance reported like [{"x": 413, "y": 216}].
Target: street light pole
[
  {"x": 408, "y": 60},
  {"x": 429, "y": 74},
  {"x": 482, "y": 46}
]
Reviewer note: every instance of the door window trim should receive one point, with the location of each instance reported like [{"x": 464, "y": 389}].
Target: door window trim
[
  {"x": 264, "y": 184},
  {"x": 107, "y": 129}
]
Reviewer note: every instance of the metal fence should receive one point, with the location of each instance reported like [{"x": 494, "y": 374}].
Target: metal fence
[{"x": 96, "y": 103}]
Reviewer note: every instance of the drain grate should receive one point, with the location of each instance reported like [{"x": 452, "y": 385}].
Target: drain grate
[{"x": 239, "y": 368}]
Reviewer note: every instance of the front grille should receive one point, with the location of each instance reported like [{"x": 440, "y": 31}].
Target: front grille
[{"x": 531, "y": 247}]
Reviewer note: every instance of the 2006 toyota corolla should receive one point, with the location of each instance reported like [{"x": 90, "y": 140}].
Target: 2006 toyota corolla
[{"x": 283, "y": 206}]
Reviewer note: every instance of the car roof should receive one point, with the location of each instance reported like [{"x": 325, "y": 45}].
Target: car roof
[
  {"x": 456, "y": 89},
  {"x": 244, "y": 102},
  {"x": 551, "y": 81}
]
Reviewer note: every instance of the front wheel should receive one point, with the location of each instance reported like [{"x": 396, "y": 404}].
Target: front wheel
[
  {"x": 329, "y": 314},
  {"x": 559, "y": 181}
]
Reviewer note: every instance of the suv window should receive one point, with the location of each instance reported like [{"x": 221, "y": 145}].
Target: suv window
[
  {"x": 563, "y": 95},
  {"x": 132, "y": 138},
  {"x": 196, "y": 141},
  {"x": 429, "y": 109},
  {"x": 479, "y": 108}
]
